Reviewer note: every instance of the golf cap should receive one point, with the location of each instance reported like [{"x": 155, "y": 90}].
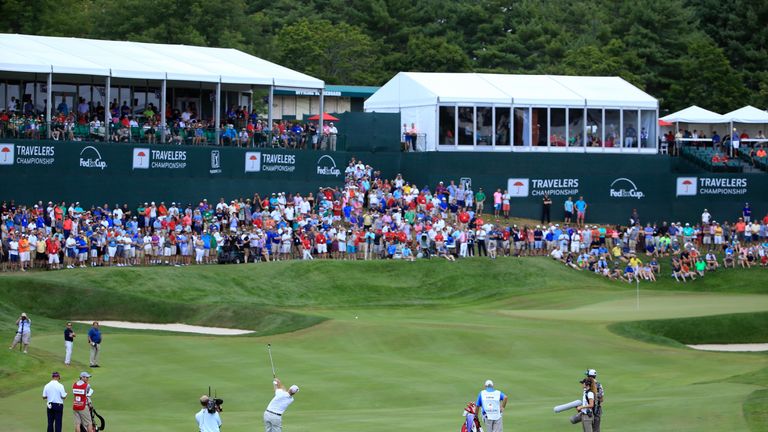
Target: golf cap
[
  {"x": 293, "y": 389},
  {"x": 55, "y": 374},
  {"x": 24, "y": 314},
  {"x": 204, "y": 399},
  {"x": 85, "y": 375},
  {"x": 488, "y": 383},
  {"x": 591, "y": 373}
]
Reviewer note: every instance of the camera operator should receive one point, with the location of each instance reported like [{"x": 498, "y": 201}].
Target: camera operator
[
  {"x": 23, "y": 332},
  {"x": 208, "y": 418}
]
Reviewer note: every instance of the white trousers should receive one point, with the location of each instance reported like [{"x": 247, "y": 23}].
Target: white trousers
[{"x": 67, "y": 351}]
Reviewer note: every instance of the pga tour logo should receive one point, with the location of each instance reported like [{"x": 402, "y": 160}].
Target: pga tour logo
[
  {"x": 215, "y": 162},
  {"x": 140, "y": 158},
  {"x": 518, "y": 187},
  {"x": 327, "y": 166},
  {"x": 252, "y": 161},
  {"x": 686, "y": 186},
  {"x": 6, "y": 154},
  {"x": 91, "y": 158}
]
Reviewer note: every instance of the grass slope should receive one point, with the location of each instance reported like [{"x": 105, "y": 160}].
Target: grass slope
[{"x": 372, "y": 343}]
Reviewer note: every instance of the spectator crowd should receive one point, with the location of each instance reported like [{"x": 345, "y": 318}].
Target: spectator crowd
[{"x": 370, "y": 217}]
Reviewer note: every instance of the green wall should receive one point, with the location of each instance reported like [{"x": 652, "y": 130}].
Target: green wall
[{"x": 95, "y": 173}]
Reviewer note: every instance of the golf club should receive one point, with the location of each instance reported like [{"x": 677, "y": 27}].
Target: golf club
[{"x": 269, "y": 350}]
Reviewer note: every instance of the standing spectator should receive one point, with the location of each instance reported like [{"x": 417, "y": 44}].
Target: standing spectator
[
  {"x": 491, "y": 403},
  {"x": 332, "y": 133},
  {"x": 746, "y": 213},
  {"x": 479, "y": 201},
  {"x": 54, "y": 395},
  {"x": 581, "y": 211},
  {"x": 568, "y": 210},
  {"x": 23, "y": 332},
  {"x": 94, "y": 339},
  {"x": 69, "y": 340},
  {"x": 546, "y": 207},
  {"x": 504, "y": 203},
  {"x": 497, "y": 202}
]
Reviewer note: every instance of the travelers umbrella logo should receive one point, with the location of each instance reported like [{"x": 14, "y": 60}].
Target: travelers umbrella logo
[
  {"x": 625, "y": 188},
  {"x": 140, "y": 158},
  {"x": 686, "y": 186},
  {"x": 327, "y": 168},
  {"x": 92, "y": 158},
  {"x": 518, "y": 187},
  {"x": 6, "y": 154},
  {"x": 252, "y": 161}
]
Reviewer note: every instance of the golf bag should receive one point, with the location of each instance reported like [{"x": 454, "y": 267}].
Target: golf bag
[
  {"x": 99, "y": 425},
  {"x": 471, "y": 422}
]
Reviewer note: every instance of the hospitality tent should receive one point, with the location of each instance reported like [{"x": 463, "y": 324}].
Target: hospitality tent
[
  {"x": 45, "y": 59},
  {"x": 697, "y": 120},
  {"x": 472, "y": 111},
  {"x": 749, "y": 120}
]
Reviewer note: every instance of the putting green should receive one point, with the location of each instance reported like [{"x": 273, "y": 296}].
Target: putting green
[{"x": 407, "y": 361}]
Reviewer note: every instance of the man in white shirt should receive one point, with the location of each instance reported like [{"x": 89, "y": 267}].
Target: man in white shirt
[
  {"x": 208, "y": 421},
  {"x": 273, "y": 415},
  {"x": 54, "y": 395}
]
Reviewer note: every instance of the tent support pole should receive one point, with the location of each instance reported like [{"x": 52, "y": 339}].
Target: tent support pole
[
  {"x": 217, "y": 117},
  {"x": 107, "y": 113},
  {"x": 163, "y": 101},
  {"x": 270, "y": 113},
  {"x": 320, "y": 118},
  {"x": 48, "y": 106}
]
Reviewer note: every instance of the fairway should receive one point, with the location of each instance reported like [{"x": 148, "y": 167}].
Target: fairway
[{"x": 382, "y": 345}]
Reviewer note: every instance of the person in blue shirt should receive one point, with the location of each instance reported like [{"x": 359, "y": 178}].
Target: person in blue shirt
[
  {"x": 581, "y": 211},
  {"x": 491, "y": 403},
  {"x": 747, "y": 213},
  {"x": 568, "y": 209},
  {"x": 94, "y": 340}
]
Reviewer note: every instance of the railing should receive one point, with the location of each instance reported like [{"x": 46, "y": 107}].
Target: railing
[{"x": 203, "y": 136}]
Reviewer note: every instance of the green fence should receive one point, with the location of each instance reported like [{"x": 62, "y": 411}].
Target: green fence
[{"x": 659, "y": 187}]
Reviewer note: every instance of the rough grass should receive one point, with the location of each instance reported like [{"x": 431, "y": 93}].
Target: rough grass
[{"x": 718, "y": 329}]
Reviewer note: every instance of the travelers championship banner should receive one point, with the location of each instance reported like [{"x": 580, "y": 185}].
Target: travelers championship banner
[{"x": 612, "y": 185}]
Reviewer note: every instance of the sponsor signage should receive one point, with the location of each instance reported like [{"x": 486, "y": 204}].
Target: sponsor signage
[
  {"x": 215, "y": 162},
  {"x": 269, "y": 162},
  {"x": 692, "y": 186},
  {"x": 91, "y": 158},
  {"x": 326, "y": 166},
  {"x": 22, "y": 154},
  {"x": 523, "y": 187},
  {"x": 623, "y": 187},
  {"x": 144, "y": 158}
]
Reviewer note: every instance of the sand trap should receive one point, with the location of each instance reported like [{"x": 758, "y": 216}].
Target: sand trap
[
  {"x": 182, "y": 328},
  {"x": 732, "y": 347}
]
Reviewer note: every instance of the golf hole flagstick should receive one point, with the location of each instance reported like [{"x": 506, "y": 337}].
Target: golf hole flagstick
[{"x": 271, "y": 362}]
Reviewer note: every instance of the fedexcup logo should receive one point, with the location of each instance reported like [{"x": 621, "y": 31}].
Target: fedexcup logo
[
  {"x": 686, "y": 186},
  {"x": 518, "y": 187},
  {"x": 140, "y": 158},
  {"x": 252, "y": 161},
  {"x": 625, "y": 188},
  {"x": 324, "y": 168},
  {"x": 215, "y": 162},
  {"x": 91, "y": 158},
  {"x": 6, "y": 154}
]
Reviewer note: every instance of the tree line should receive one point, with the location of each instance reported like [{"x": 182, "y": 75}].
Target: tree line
[{"x": 706, "y": 52}]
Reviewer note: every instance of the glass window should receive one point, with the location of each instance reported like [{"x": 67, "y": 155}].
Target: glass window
[
  {"x": 557, "y": 127},
  {"x": 466, "y": 125},
  {"x": 648, "y": 129},
  {"x": 484, "y": 126},
  {"x": 539, "y": 122},
  {"x": 594, "y": 128},
  {"x": 630, "y": 128},
  {"x": 575, "y": 127},
  {"x": 612, "y": 128},
  {"x": 447, "y": 125},
  {"x": 502, "y": 126},
  {"x": 522, "y": 126}
]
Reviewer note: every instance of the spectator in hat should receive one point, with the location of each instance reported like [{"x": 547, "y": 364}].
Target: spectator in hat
[{"x": 23, "y": 332}]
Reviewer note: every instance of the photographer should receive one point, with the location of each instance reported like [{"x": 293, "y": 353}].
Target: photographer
[
  {"x": 23, "y": 332},
  {"x": 208, "y": 418}
]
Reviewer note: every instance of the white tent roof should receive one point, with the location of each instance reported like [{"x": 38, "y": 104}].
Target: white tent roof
[
  {"x": 694, "y": 114},
  {"x": 134, "y": 60},
  {"x": 411, "y": 89},
  {"x": 747, "y": 114}
]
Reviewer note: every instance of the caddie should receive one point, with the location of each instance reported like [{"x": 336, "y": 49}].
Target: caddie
[{"x": 491, "y": 403}]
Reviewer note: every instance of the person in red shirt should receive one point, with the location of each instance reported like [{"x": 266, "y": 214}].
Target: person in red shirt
[
  {"x": 321, "y": 244},
  {"x": 52, "y": 248}
]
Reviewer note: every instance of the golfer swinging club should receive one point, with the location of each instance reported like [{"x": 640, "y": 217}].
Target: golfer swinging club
[{"x": 273, "y": 416}]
